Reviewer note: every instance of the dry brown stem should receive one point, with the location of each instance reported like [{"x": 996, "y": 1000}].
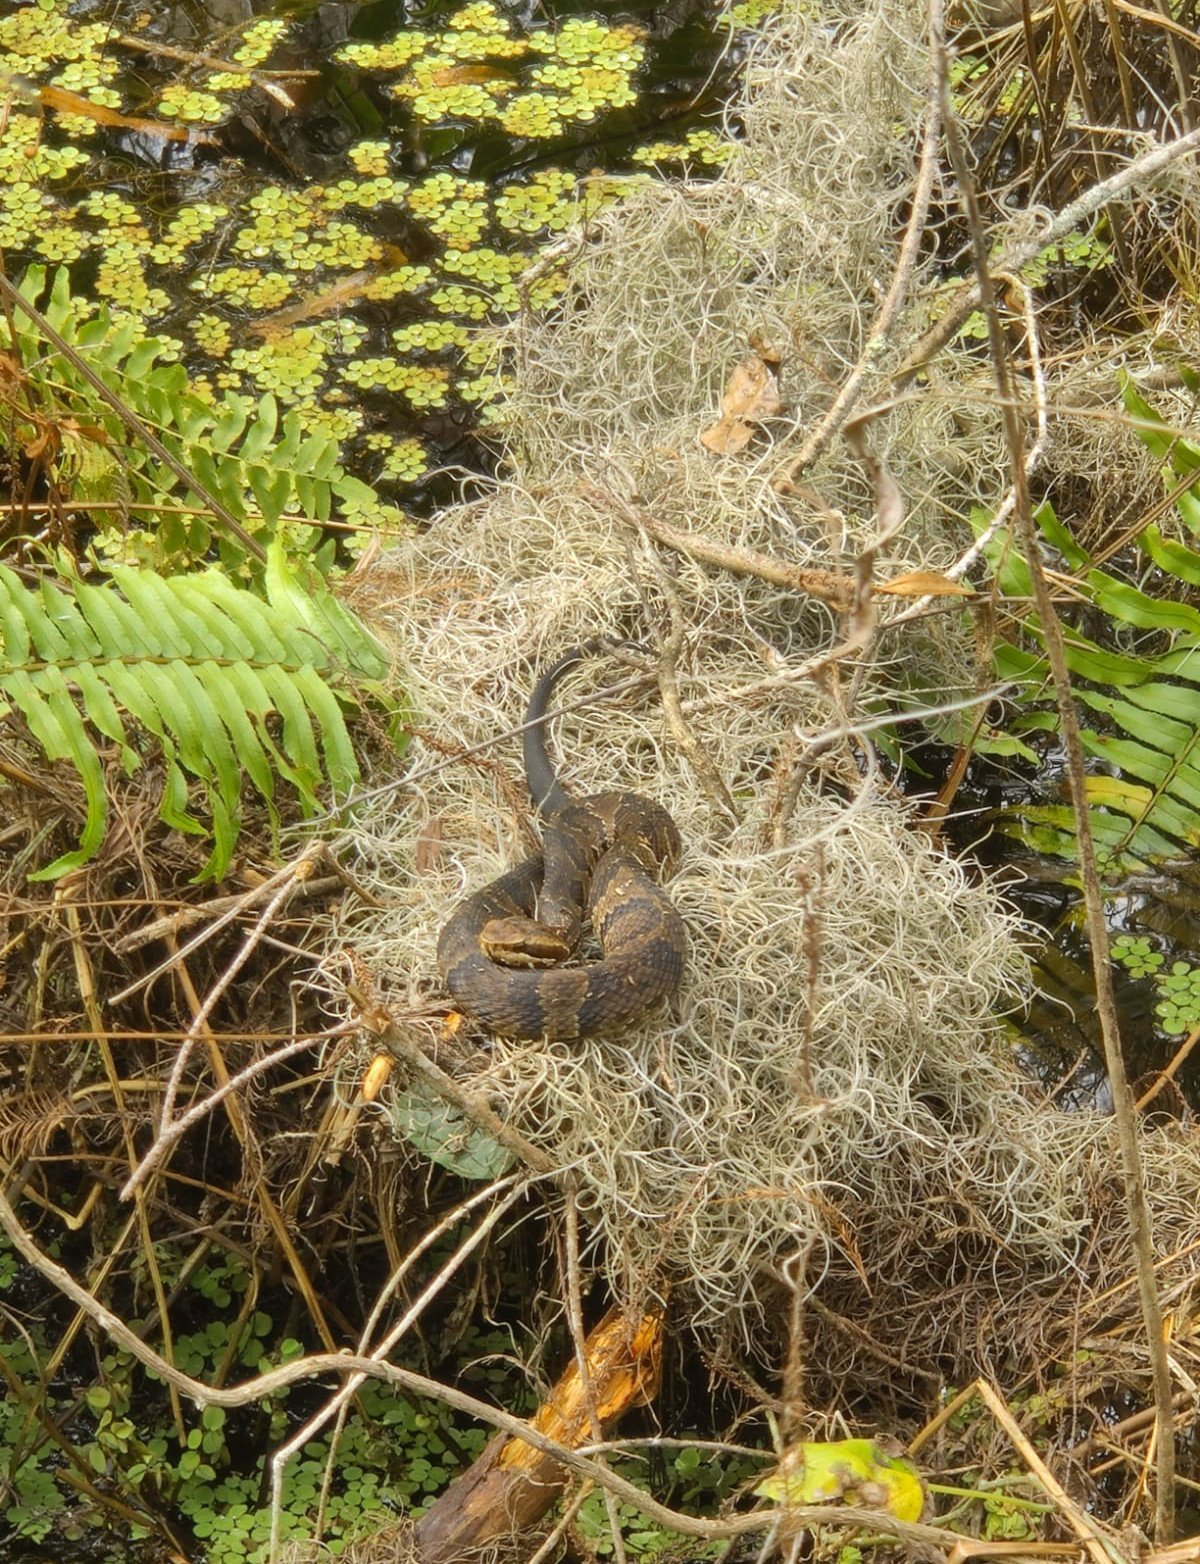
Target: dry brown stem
[
  {"x": 824, "y": 584},
  {"x": 476, "y": 1107}
]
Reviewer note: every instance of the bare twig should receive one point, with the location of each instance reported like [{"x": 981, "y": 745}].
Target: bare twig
[
  {"x": 170, "y": 1129},
  {"x": 170, "y": 1134},
  {"x": 513, "y": 1189},
  {"x": 824, "y": 584},
  {"x": 574, "y": 1302},
  {"x": 184, "y": 917},
  {"x": 209, "y": 62},
  {"x": 1169, "y": 1071},
  {"x": 277, "y": 886}
]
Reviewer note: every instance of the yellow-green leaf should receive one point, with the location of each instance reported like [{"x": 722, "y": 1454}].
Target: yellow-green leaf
[{"x": 857, "y": 1472}]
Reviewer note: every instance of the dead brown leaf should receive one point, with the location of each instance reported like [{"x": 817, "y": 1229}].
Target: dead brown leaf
[
  {"x": 924, "y": 583},
  {"x": 751, "y": 396}
]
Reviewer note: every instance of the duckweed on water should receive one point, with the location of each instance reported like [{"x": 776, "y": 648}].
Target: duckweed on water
[
  {"x": 319, "y": 252},
  {"x": 1177, "y": 1007},
  {"x": 470, "y": 71},
  {"x": 431, "y": 336},
  {"x": 258, "y": 40},
  {"x": 391, "y": 1455},
  {"x": 189, "y": 226},
  {"x": 699, "y": 148},
  {"x": 292, "y": 366},
  {"x": 193, "y": 106},
  {"x": 244, "y": 287}
]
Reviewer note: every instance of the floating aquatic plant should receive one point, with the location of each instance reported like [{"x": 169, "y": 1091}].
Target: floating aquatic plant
[
  {"x": 702, "y": 148},
  {"x": 193, "y": 106},
  {"x": 1177, "y": 988},
  {"x": 292, "y": 366},
  {"x": 314, "y": 255},
  {"x": 258, "y": 40}
]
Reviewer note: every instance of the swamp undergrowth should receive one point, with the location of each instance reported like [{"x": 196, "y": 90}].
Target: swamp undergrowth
[
  {"x": 85, "y": 1447},
  {"x": 93, "y": 1453}
]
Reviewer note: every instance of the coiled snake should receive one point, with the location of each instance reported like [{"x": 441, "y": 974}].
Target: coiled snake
[{"x": 599, "y": 853}]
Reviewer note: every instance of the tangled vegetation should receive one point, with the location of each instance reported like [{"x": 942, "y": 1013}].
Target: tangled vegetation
[{"x": 747, "y": 437}]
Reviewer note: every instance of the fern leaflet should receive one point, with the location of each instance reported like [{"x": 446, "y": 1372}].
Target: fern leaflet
[
  {"x": 1144, "y": 789},
  {"x": 229, "y": 685}
]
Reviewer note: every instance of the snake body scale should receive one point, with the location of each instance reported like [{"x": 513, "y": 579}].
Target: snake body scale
[{"x": 599, "y": 856}]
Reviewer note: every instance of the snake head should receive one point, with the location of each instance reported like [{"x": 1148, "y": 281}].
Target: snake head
[{"x": 522, "y": 942}]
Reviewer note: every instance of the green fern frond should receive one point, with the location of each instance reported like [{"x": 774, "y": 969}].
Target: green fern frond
[
  {"x": 227, "y": 684},
  {"x": 266, "y": 469},
  {"x": 1144, "y": 795}
]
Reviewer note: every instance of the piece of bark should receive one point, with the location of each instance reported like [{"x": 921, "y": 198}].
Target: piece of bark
[{"x": 512, "y": 1485}]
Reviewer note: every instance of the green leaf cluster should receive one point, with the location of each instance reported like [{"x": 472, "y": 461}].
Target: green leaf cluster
[
  {"x": 276, "y": 479},
  {"x": 1136, "y": 954},
  {"x": 1138, "y": 679},
  {"x": 445, "y": 1135},
  {"x": 704, "y": 1480},
  {"x": 228, "y": 685},
  {"x": 479, "y": 69}
]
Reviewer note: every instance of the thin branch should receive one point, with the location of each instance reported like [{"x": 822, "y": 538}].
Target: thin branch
[
  {"x": 171, "y": 1134},
  {"x": 574, "y": 1301},
  {"x": 889, "y": 310},
  {"x": 827, "y": 585},
  {"x": 339, "y": 1401},
  {"x": 169, "y": 1128},
  {"x": 1090, "y": 1534},
  {"x": 283, "y": 882}
]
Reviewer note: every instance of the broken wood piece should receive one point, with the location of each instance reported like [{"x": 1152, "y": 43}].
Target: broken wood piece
[{"x": 512, "y": 1485}]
